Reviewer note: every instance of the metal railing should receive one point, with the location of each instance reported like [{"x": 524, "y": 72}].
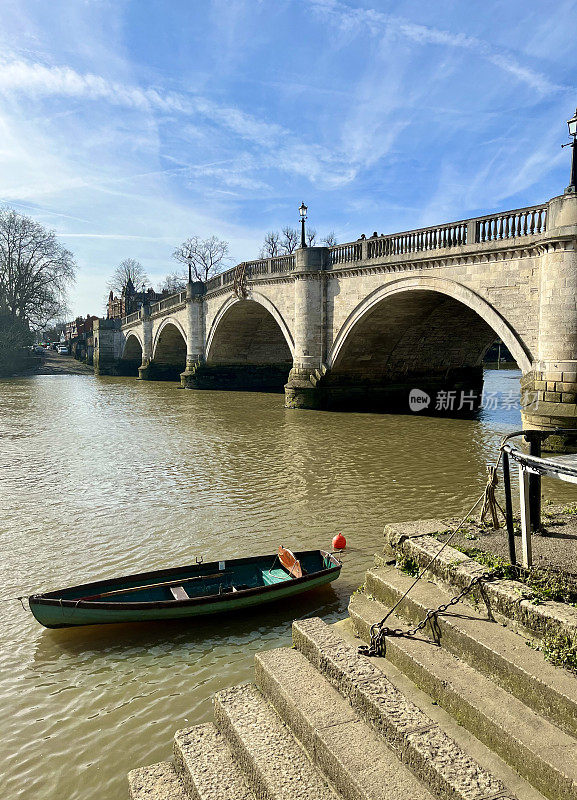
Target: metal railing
[{"x": 532, "y": 466}]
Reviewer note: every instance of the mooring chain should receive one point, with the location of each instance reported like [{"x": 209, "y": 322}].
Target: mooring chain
[{"x": 379, "y": 631}]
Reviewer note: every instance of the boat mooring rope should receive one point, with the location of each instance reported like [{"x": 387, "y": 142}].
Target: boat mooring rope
[
  {"x": 21, "y": 598},
  {"x": 379, "y": 630}
]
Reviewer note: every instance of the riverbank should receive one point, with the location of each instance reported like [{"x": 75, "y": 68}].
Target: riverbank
[
  {"x": 49, "y": 362},
  {"x": 56, "y": 364},
  {"x": 554, "y": 547}
]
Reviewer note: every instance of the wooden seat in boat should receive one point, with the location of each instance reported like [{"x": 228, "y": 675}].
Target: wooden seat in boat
[{"x": 179, "y": 593}]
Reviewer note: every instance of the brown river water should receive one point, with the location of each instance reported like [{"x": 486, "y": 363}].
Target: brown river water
[{"x": 107, "y": 476}]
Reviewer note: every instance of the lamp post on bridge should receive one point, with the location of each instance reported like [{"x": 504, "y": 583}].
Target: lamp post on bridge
[
  {"x": 303, "y": 213},
  {"x": 572, "y": 125}
]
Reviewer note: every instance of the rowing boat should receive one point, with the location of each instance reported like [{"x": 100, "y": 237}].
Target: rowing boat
[{"x": 196, "y": 590}]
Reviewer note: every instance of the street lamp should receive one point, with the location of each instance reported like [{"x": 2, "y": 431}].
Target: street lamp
[
  {"x": 303, "y": 213},
  {"x": 572, "y": 125},
  {"x": 189, "y": 261}
]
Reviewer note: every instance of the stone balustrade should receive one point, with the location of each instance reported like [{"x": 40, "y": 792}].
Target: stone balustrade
[
  {"x": 491, "y": 228},
  {"x": 131, "y": 318}
]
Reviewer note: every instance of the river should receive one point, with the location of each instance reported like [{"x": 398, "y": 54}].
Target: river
[{"x": 108, "y": 476}]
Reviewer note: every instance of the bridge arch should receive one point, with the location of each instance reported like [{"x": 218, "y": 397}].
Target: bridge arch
[
  {"x": 457, "y": 297},
  {"x": 169, "y": 350},
  {"x": 254, "y": 315},
  {"x": 131, "y": 354},
  {"x": 249, "y": 346}
]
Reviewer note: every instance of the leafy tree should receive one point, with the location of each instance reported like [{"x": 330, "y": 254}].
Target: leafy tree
[
  {"x": 129, "y": 270},
  {"x": 35, "y": 271},
  {"x": 206, "y": 257}
]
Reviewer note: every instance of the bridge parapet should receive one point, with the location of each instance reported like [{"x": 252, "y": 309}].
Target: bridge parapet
[
  {"x": 130, "y": 319},
  {"x": 168, "y": 302}
]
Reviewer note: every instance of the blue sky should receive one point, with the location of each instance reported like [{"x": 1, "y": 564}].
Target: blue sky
[{"x": 128, "y": 126}]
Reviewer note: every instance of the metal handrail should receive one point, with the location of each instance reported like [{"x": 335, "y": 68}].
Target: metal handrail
[{"x": 532, "y": 466}]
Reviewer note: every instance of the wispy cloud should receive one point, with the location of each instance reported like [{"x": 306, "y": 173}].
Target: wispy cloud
[{"x": 378, "y": 23}]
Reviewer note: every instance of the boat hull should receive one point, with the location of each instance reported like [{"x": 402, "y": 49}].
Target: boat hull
[{"x": 54, "y": 611}]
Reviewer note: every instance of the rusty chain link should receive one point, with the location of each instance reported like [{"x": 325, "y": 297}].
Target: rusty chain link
[{"x": 379, "y": 631}]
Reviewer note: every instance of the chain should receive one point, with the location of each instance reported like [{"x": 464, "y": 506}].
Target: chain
[{"x": 379, "y": 631}]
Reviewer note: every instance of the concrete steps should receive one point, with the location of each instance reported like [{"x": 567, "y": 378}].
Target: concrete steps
[
  {"x": 276, "y": 766},
  {"x": 352, "y": 755},
  {"x": 497, "y": 652},
  {"x": 206, "y": 765},
  {"x": 418, "y": 742},
  {"x": 539, "y": 751},
  {"x": 157, "y": 782}
]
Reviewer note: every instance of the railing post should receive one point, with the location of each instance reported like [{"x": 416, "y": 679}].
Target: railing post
[
  {"x": 364, "y": 250},
  {"x": 535, "y": 486},
  {"x": 509, "y": 508},
  {"x": 525, "y": 517}
]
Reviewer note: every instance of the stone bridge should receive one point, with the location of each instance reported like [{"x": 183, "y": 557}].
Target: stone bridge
[{"x": 359, "y": 325}]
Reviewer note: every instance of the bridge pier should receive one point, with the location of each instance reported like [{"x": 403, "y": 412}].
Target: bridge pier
[
  {"x": 302, "y": 389},
  {"x": 195, "y": 292},
  {"x": 550, "y": 389},
  {"x": 105, "y": 357},
  {"x": 144, "y": 370}
]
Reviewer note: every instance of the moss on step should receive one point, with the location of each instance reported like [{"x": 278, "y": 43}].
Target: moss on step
[{"x": 558, "y": 648}]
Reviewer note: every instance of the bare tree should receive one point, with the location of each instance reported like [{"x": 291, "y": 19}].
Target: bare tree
[
  {"x": 174, "y": 282},
  {"x": 289, "y": 240},
  {"x": 329, "y": 240},
  {"x": 35, "y": 270},
  {"x": 206, "y": 257},
  {"x": 311, "y": 236},
  {"x": 128, "y": 270},
  {"x": 271, "y": 245}
]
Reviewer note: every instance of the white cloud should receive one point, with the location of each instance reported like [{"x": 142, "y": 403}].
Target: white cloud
[{"x": 378, "y": 23}]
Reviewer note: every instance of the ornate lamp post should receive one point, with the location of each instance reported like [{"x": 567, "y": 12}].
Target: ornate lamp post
[
  {"x": 303, "y": 213},
  {"x": 572, "y": 125},
  {"x": 143, "y": 304}
]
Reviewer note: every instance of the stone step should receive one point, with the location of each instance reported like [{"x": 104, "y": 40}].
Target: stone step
[
  {"x": 157, "y": 782},
  {"x": 496, "y": 651},
  {"x": 275, "y": 764},
  {"x": 206, "y": 767},
  {"x": 510, "y": 600},
  {"x": 415, "y": 738},
  {"x": 346, "y": 749},
  {"x": 538, "y": 750}
]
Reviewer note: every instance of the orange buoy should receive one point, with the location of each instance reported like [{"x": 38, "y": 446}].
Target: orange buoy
[{"x": 339, "y": 542}]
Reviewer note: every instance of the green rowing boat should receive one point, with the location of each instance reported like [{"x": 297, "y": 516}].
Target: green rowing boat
[{"x": 200, "y": 589}]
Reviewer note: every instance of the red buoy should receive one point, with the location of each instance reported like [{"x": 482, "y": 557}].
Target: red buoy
[{"x": 339, "y": 542}]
